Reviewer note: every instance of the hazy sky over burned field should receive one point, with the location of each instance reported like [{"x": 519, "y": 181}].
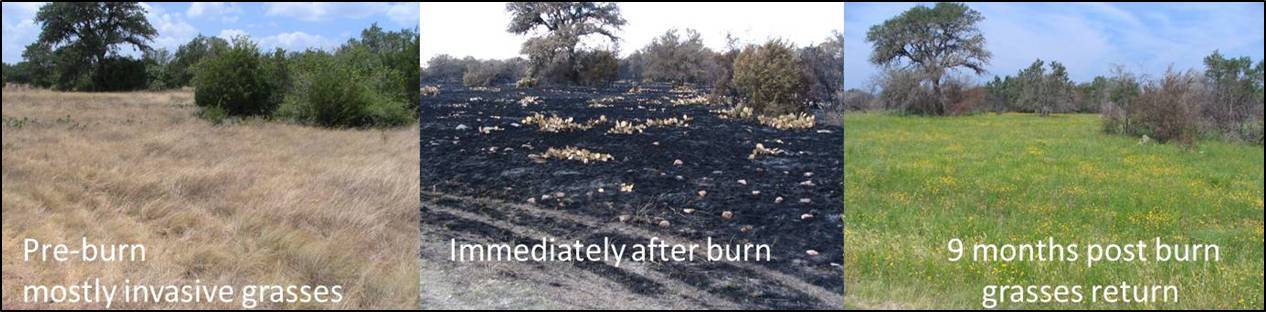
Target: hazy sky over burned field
[
  {"x": 1089, "y": 38},
  {"x": 479, "y": 29},
  {"x": 291, "y": 26}
]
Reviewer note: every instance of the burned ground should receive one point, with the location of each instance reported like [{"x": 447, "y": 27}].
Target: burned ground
[{"x": 480, "y": 183}]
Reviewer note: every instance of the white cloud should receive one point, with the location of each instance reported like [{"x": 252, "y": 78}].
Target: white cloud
[
  {"x": 1017, "y": 40},
  {"x": 405, "y": 14},
  {"x": 226, "y": 11},
  {"x": 229, "y": 33},
  {"x": 308, "y": 11},
  {"x": 297, "y": 41},
  {"x": 289, "y": 41},
  {"x": 19, "y": 28},
  {"x": 172, "y": 29}
]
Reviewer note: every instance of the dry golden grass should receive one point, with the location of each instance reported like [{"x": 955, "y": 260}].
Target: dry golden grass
[
  {"x": 253, "y": 202},
  {"x": 761, "y": 150},
  {"x": 573, "y": 153},
  {"x": 430, "y": 90},
  {"x": 554, "y": 123},
  {"x": 626, "y": 127},
  {"x": 788, "y": 121}
]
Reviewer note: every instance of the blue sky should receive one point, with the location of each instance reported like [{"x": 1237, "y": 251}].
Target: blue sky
[
  {"x": 292, "y": 26},
  {"x": 1087, "y": 37}
]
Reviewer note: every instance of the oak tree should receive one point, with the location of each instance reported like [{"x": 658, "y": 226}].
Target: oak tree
[{"x": 933, "y": 41}]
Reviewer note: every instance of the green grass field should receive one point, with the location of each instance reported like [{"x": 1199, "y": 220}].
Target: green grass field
[{"x": 913, "y": 183}]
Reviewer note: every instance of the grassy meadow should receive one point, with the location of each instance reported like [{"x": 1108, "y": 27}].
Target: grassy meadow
[
  {"x": 913, "y": 183},
  {"x": 246, "y": 202}
]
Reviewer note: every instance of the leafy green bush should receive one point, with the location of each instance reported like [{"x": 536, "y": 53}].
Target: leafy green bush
[
  {"x": 277, "y": 71},
  {"x": 598, "y": 67},
  {"x": 37, "y": 67},
  {"x": 1234, "y": 108},
  {"x": 159, "y": 70},
  {"x": 389, "y": 59},
  {"x": 185, "y": 61},
  {"x": 330, "y": 92},
  {"x": 770, "y": 78},
  {"x": 370, "y": 81},
  {"x": 122, "y": 74},
  {"x": 236, "y": 81}
]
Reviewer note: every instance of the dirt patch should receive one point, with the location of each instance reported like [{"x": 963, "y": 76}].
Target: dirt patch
[{"x": 687, "y": 175}]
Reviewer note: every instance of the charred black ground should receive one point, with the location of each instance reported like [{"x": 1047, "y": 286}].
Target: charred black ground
[{"x": 459, "y": 159}]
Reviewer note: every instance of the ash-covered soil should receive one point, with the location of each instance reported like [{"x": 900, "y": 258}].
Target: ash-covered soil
[{"x": 480, "y": 184}]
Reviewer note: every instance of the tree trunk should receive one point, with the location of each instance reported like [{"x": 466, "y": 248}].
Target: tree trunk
[
  {"x": 939, "y": 108},
  {"x": 98, "y": 73}
]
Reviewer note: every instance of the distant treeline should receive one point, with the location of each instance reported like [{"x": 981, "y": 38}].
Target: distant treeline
[
  {"x": 805, "y": 77},
  {"x": 368, "y": 81}
]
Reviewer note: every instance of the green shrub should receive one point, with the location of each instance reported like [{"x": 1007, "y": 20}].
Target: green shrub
[
  {"x": 770, "y": 78},
  {"x": 158, "y": 69},
  {"x": 1234, "y": 108},
  {"x": 331, "y": 93},
  {"x": 37, "y": 67},
  {"x": 598, "y": 68},
  {"x": 236, "y": 81},
  {"x": 412, "y": 70},
  {"x": 122, "y": 74},
  {"x": 185, "y": 61},
  {"x": 277, "y": 72},
  {"x": 388, "y": 57}
]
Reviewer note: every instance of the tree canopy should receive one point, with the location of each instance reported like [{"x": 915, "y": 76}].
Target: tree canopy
[
  {"x": 553, "y": 55},
  {"x": 84, "y": 35},
  {"x": 931, "y": 40}
]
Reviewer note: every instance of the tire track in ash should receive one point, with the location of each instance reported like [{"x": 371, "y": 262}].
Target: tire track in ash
[
  {"x": 480, "y": 228},
  {"x": 733, "y": 284}
]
